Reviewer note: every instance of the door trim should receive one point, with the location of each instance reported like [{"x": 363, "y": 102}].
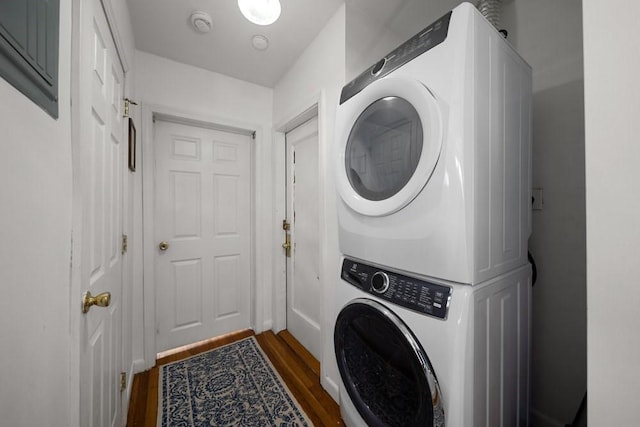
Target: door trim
[{"x": 149, "y": 112}]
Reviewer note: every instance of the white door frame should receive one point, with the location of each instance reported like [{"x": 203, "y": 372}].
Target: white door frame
[
  {"x": 148, "y": 200},
  {"x": 307, "y": 110}
]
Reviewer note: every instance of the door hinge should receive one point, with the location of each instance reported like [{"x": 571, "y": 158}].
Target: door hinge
[
  {"x": 124, "y": 243},
  {"x": 123, "y": 381},
  {"x": 285, "y": 225},
  {"x": 127, "y": 103}
]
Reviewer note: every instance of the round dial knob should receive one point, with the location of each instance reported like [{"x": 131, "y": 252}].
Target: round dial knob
[
  {"x": 380, "y": 282},
  {"x": 378, "y": 67}
]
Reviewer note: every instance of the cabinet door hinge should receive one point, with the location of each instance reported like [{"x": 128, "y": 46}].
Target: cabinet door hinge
[
  {"x": 123, "y": 381},
  {"x": 124, "y": 243}
]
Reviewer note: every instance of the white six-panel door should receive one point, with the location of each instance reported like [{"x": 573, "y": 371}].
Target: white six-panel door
[
  {"x": 102, "y": 160},
  {"x": 203, "y": 213},
  {"x": 304, "y": 294}
]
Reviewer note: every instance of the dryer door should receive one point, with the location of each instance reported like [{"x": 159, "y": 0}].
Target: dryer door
[
  {"x": 384, "y": 369},
  {"x": 389, "y": 137}
]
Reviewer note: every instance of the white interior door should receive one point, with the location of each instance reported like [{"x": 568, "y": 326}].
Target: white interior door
[
  {"x": 103, "y": 148},
  {"x": 203, "y": 213},
  {"x": 304, "y": 295}
]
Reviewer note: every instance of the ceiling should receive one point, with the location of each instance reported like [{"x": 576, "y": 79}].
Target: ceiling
[{"x": 162, "y": 27}]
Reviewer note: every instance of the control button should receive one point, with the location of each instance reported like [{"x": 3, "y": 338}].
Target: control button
[
  {"x": 380, "y": 282},
  {"x": 378, "y": 67}
]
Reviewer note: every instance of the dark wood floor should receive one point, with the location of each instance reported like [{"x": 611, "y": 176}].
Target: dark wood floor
[{"x": 297, "y": 367}]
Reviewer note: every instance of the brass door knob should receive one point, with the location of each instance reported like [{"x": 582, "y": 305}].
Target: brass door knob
[
  {"x": 101, "y": 300},
  {"x": 164, "y": 245}
]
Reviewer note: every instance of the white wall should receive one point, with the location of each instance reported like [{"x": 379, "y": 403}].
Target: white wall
[
  {"x": 318, "y": 74},
  {"x": 548, "y": 34},
  {"x": 190, "y": 92},
  {"x": 35, "y": 230},
  {"x": 161, "y": 81},
  {"x": 612, "y": 112}
]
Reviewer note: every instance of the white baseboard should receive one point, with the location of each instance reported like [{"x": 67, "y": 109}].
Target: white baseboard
[
  {"x": 267, "y": 325},
  {"x": 138, "y": 365},
  {"x": 331, "y": 387}
]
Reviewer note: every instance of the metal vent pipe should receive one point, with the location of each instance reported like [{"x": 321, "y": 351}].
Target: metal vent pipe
[{"x": 491, "y": 9}]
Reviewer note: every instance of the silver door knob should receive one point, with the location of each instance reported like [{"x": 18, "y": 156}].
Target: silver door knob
[{"x": 164, "y": 245}]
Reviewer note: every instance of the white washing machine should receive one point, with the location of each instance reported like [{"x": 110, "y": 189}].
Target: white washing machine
[
  {"x": 412, "y": 351},
  {"x": 433, "y": 154}
]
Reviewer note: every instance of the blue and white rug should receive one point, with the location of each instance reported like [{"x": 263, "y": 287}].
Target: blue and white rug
[{"x": 234, "y": 385}]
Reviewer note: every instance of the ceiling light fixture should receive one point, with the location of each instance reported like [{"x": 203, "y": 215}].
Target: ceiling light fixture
[{"x": 261, "y": 12}]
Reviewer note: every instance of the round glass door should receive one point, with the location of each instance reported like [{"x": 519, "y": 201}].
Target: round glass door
[
  {"x": 389, "y": 140},
  {"x": 384, "y": 148},
  {"x": 384, "y": 369}
]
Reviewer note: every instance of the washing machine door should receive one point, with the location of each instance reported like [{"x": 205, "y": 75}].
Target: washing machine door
[
  {"x": 384, "y": 369},
  {"x": 389, "y": 141}
]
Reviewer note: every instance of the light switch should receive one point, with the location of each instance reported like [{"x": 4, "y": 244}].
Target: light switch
[{"x": 537, "y": 201}]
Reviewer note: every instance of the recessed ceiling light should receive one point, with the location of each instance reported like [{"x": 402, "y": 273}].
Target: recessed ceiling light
[
  {"x": 201, "y": 21},
  {"x": 261, "y": 12},
  {"x": 260, "y": 42}
]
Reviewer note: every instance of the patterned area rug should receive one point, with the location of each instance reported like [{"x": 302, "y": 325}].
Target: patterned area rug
[{"x": 234, "y": 385}]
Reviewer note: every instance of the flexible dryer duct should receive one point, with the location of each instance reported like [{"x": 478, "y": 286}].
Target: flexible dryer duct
[{"x": 491, "y": 9}]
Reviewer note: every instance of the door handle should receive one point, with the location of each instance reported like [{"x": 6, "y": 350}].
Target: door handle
[
  {"x": 164, "y": 245},
  {"x": 101, "y": 300}
]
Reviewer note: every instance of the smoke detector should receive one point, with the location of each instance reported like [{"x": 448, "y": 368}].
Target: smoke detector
[
  {"x": 201, "y": 22},
  {"x": 260, "y": 42}
]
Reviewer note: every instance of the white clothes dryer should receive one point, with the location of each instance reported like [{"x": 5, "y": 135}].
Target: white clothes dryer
[
  {"x": 413, "y": 351},
  {"x": 433, "y": 154}
]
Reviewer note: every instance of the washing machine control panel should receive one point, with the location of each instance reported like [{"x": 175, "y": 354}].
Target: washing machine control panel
[
  {"x": 415, "y": 294},
  {"x": 426, "y": 39}
]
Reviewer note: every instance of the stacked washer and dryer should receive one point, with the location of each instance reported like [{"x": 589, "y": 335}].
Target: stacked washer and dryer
[{"x": 433, "y": 175}]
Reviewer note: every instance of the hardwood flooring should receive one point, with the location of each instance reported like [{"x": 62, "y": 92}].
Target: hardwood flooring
[{"x": 297, "y": 367}]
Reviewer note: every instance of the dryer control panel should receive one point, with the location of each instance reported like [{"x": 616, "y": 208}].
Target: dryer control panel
[
  {"x": 426, "y": 39},
  {"x": 415, "y": 294}
]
